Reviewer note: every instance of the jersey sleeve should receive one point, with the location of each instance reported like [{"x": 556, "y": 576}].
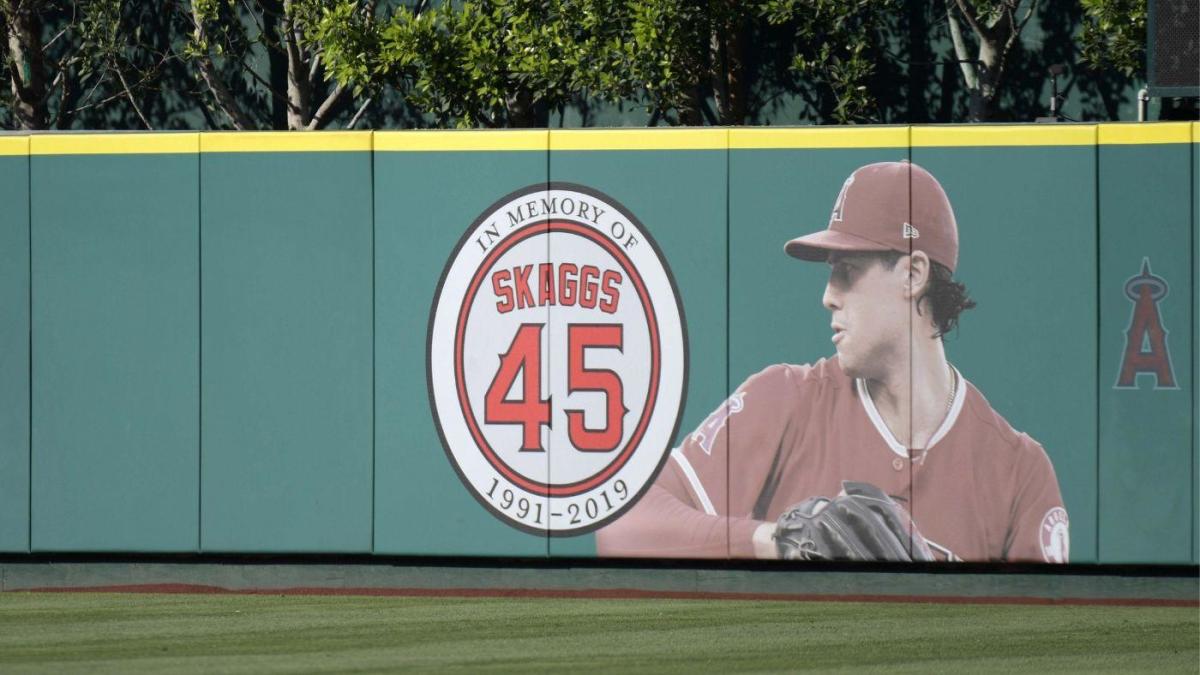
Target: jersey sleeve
[
  {"x": 1040, "y": 528},
  {"x": 695, "y": 508}
]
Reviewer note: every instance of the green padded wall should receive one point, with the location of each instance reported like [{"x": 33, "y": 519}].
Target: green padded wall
[
  {"x": 421, "y": 506},
  {"x": 1025, "y": 202},
  {"x": 675, "y": 182},
  {"x": 115, "y": 355},
  {"x": 286, "y": 413},
  {"x": 783, "y": 184},
  {"x": 1145, "y": 423},
  {"x": 14, "y": 344},
  {"x": 1195, "y": 336},
  {"x": 219, "y": 342}
]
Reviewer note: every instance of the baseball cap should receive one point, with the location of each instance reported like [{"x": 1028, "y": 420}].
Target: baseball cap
[{"x": 885, "y": 207}]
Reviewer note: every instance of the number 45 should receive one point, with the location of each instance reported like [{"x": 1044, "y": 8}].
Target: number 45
[{"x": 531, "y": 411}]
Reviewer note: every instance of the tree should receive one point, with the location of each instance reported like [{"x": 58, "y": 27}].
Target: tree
[
  {"x": 26, "y": 63},
  {"x": 63, "y": 60},
  {"x": 674, "y": 55},
  {"x": 229, "y": 41},
  {"x": 679, "y": 54},
  {"x": 996, "y": 27},
  {"x": 116, "y": 45},
  {"x": 301, "y": 64},
  {"x": 836, "y": 46},
  {"x": 509, "y": 62},
  {"x": 490, "y": 63},
  {"x": 1114, "y": 35}
]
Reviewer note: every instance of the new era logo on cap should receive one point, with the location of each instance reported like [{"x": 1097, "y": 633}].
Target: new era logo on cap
[{"x": 887, "y": 206}]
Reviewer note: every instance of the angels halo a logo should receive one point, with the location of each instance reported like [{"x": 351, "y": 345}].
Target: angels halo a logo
[{"x": 557, "y": 359}]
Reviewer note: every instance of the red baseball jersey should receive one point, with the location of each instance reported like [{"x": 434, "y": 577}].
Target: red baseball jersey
[{"x": 980, "y": 491}]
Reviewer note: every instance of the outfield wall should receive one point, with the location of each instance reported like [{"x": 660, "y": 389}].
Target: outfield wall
[{"x": 274, "y": 343}]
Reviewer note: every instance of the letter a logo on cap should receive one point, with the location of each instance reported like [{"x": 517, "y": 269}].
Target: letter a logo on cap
[{"x": 841, "y": 201}]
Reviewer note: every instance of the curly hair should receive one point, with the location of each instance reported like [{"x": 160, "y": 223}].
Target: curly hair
[{"x": 947, "y": 298}]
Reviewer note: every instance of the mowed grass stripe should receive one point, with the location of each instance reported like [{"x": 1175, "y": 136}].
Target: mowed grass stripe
[{"x": 55, "y": 632}]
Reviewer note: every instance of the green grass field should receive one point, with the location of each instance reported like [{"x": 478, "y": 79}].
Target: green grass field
[{"x": 59, "y": 632}]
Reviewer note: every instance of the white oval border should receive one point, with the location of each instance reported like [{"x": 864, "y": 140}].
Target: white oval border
[{"x": 677, "y": 330}]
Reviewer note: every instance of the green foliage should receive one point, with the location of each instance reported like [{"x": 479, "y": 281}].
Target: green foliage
[
  {"x": 835, "y": 43},
  {"x": 485, "y": 63},
  {"x": 350, "y": 43},
  {"x": 489, "y": 63},
  {"x": 89, "y": 59},
  {"x": 505, "y": 62},
  {"x": 661, "y": 49},
  {"x": 1114, "y": 35},
  {"x": 480, "y": 63},
  {"x": 261, "y": 60}
]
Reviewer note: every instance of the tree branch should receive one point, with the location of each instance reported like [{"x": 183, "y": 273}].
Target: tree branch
[
  {"x": 63, "y": 68},
  {"x": 245, "y": 67},
  {"x": 97, "y": 104},
  {"x": 54, "y": 39},
  {"x": 965, "y": 62},
  {"x": 1015, "y": 33},
  {"x": 358, "y": 115},
  {"x": 208, "y": 72},
  {"x": 318, "y": 118},
  {"x": 290, "y": 42},
  {"x": 1025, "y": 19},
  {"x": 972, "y": 20},
  {"x": 129, "y": 94},
  {"x": 313, "y": 64},
  {"x": 15, "y": 75},
  {"x": 63, "y": 117},
  {"x": 299, "y": 93},
  {"x": 262, "y": 30},
  {"x": 89, "y": 94}
]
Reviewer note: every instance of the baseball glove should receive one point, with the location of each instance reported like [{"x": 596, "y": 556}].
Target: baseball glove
[{"x": 862, "y": 523}]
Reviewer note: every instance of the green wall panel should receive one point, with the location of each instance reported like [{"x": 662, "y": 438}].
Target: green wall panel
[
  {"x": 1195, "y": 337},
  {"x": 115, "y": 353},
  {"x": 680, "y": 197},
  {"x": 1145, "y": 423},
  {"x": 1027, "y": 230},
  {"x": 14, "y": 348},
  {"x": 421, "y": 505},
  {"x": 776, "y": 313},
  {"x": 286, "y": 336}
]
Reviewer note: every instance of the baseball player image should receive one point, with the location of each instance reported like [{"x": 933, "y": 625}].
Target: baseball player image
[{"x": 882, "y": 451}]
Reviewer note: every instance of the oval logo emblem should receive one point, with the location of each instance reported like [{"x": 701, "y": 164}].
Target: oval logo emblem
[
  {"x": 1056, "y": 536},
  {"x": 557, "y": 359}
]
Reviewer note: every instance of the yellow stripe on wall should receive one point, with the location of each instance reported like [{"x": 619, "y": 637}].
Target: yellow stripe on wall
[
  {"x": 462, "y": 141},
  {"x": 818, "y": 137},
  {"x": 286, "y": 141},
  {"x": 539, "y": 140},
  {"x": 114, "y": 144},
  {"x": 1145, "y": 133},
  {"x": 14, "y": 146},
  {"x": 640, "y": 139},
  {"x": 1003, "y": 135}
]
